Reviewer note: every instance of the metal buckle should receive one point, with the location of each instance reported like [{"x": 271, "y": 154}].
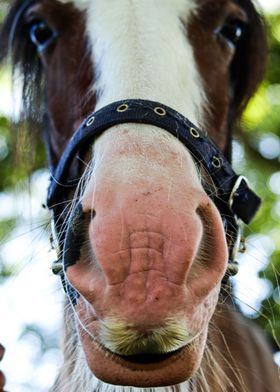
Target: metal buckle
[{"x": 233, "y": 193}]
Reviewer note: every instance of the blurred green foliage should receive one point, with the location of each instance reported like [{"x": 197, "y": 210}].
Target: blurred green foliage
[
  {"x": 17, "y": 149},
  {"x": 261, "y": 139}
]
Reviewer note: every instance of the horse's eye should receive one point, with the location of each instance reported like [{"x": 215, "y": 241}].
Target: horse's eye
[
  {"x": 232, "y": 32},
  {"x": 41, "y": 35}
]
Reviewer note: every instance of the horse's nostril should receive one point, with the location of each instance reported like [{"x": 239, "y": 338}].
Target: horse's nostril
[
  {"x": 76, "y": 234},
  {"x": 90, "y": 214}
]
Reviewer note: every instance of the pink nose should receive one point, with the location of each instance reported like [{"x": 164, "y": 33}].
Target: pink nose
[
  {"x": 156, "y": 243},
  {"x": 144, "y": 252}
]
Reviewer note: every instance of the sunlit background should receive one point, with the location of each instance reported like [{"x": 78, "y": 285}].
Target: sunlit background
[{"x": 31, "y": 298}]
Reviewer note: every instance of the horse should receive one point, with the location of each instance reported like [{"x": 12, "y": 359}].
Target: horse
[{"x": 137, "y": 102}]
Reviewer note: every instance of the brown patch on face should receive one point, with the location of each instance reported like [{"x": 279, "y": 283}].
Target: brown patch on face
[
  {"x": 228, "y": 78},
  {"x": 68, "y": 69}
]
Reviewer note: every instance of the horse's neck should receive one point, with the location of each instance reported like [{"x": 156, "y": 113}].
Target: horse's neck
[{"x": 241, "y": 348}]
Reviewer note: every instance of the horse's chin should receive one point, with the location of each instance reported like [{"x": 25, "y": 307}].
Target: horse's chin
[{"x": 144, "y": 371}]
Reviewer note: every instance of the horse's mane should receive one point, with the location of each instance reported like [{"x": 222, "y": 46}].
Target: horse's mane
[{"x": 247, "y": 68}]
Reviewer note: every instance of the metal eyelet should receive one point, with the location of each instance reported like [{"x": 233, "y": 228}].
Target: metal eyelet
[
  {"x": 194, "y": 133},
  {"x": 90, "y": 121},
  {"x": 160, "y": 111},
  {"x": 216, "y": 162},
  {"x": 122, "y": 108}
]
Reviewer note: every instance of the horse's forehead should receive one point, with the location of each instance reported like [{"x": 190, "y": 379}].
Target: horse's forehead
[{"x": 115, "y": 40}]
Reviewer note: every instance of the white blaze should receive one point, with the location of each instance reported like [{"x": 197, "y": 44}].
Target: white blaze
[{"x": 140, "y": 49}]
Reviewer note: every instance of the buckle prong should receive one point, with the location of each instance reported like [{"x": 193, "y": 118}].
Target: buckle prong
[{"x": 234, "y": 192}]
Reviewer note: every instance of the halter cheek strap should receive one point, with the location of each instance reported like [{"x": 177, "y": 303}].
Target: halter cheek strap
[{"x": 233, "y": 197}]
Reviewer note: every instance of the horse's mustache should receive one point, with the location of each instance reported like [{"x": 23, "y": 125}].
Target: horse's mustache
[{"x": 127, "y": 340}]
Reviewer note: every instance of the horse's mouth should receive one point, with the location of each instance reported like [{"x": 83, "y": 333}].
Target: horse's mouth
[
  {"x": 143, "y": 370},
  {"x": 147, "y": 359}
]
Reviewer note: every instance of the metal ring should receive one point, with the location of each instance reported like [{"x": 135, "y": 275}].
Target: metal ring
[
  {"x": 242, "y": 245},
  {"x": 194, "y": 133},
  {"x": 216, "y": 162},
  {"x": 233, "y": 246},
  {"x": 122, "y": 108},
  {"x": 160, "y": 111},
  {"x": 90, "y": 121},
  {"x": 232, "y": 268},
  {"x": 57, "y": 267}
]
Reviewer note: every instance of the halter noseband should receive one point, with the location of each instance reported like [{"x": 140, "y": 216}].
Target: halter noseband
[{"x": 233, "y": 197}]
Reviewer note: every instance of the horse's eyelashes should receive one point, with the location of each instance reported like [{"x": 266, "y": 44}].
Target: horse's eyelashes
[{"x": 41, "y": 35}]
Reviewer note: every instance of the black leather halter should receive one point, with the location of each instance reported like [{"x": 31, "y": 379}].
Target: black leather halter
[{"x": 233, "y": 197}]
